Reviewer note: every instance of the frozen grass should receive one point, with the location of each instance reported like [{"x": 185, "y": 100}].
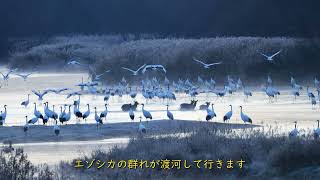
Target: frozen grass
[
  {"x": 239, "y": 54},
  {"x": 267, "y": 155},
  {"x": 56, "y": 51},
  {"x": 14, "y": 164}
]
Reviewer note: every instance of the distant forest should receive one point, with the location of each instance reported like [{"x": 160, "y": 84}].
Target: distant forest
[{"x": 173, "y": 18}]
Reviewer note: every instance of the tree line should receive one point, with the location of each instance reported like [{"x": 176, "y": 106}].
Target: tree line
[{"x": 174, "y": 18}]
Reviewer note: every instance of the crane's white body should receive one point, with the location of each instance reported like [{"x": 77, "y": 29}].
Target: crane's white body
[
  {"x": 206, "y": 65},
  {"x": 134, "y": 72}
]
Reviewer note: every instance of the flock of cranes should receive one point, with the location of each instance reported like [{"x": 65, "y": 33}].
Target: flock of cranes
[
  {"x": 151, "y": 90},
  {"x": 295, "y": 131}
]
